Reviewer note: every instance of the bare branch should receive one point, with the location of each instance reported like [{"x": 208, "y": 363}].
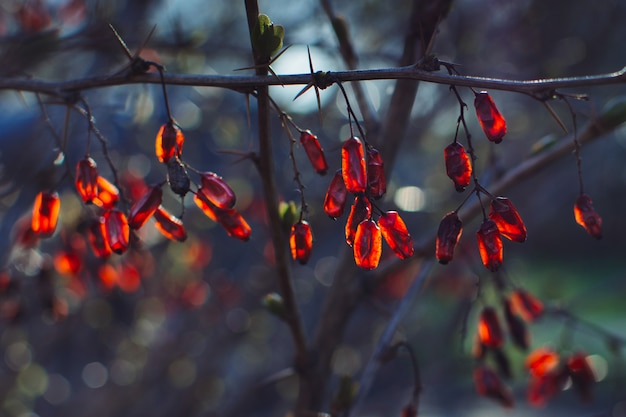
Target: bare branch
[{"x": 542, "y": 88}]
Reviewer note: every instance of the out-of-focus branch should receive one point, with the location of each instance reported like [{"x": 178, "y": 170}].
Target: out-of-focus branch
[
  {"x": 347, "y": 289},
  {"x": 342, "y": 32}
]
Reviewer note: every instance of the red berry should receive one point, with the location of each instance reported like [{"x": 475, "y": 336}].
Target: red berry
[
  {"x": 458, "y": 165},
  {"x": 314, "y": 151},
  {"x": 448, "y": 236},
  {"x": 489, "y": 117},
  {"x": 353, "y": 166},
  {"x": 336, "y": 196},
  {"x": 396, "y": 234},
  {"x": 526, "y": 305},
  {"x": 87, "y": 179},
  {"x": 98, "y": 239},
  {"x": 376, "y": 181},
  {"x": 367, "y": 245},
  {"x": 489, "y": 384},
  {"x": 490, "y": 245},
  {"x": 169, "y": 225},
  {"x": 361, "y": 210},
  {"x": 507, "y": 219},
  {"x": 169, "y": 142},
  {"x": 301, "y": 241},
  {"x": 145, "y": 207},
  {"x": 489, "y": 329},
  {"x": 108, "y": 194},
  {"x": 587, "y": 217},
  {"x": 217, "y": 191},
  {"x": 45, "y": 213},
  {"x": 117, "y": 231}
]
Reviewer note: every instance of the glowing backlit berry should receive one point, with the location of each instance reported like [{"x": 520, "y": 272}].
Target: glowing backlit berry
[
  {"x": 458, "y": 165},
  {"x": 517, "y": 329},
  {"x": 376, "y": 181},
  {"x": 542, "y": 361},
  {"x": 353, "y": 166},
  {"x": 336, "y": 196},
  {"x": 108, "y": 194},
  {"x": 361, "y": 210},
  {"x": 526, "y": 305},
  {"x": 489, "y": 117},
  {"x": 490, "y": 245},
  {"x": 489, "y": 384},
  {"x": 234, "y": 224},
  {"x": 301, "y": 241},
  {"x": 145, "y": 207},
  {"x": 217, "y": 191},
  {"x": 45, "y": 213},
  {"x": 97, "y": 238},
  {"x": 489, "y": 329},
  {"x": 169, "y": 142},
  {"x": 314, "y": 151},
  {"x": 587, "y": 217},
  {"x": 367, "y": 245},
  {"x": 582, "y": 374},
  {"x": 170, "y": 226},
  {"x": 396, "y": 234},
  {"x": 87, "y": 179},
  {"x": 542, "y": 388},
  {"x": 117, "y": 231},
  {"x": 448, "y": 236},
  {"x": 507, "y": 219}
]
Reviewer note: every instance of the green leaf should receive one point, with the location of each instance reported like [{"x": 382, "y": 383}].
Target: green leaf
[{"x": 267, "y": 38}]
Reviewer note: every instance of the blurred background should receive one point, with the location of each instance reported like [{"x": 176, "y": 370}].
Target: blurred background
[{"x": 180, "y": 328}]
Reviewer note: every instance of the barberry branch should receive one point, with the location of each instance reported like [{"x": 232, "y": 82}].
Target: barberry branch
[{"x": 542, "y": 88}]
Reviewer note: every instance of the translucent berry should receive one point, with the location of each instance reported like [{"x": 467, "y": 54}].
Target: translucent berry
[
  {"x": 217, "y": 191},
  {"x": 117, "y": 231},
  {"x": 490, "y": 245},
  {"x": 361, "y": 210},
  {"x": 489, "y": 384},
  {"x": 45, "y": 213},
  {"x": 489, "y": 329},
  {"x": 448, "y": 236},
  {"x": 367, "y": 245},
  {"x": 169, "y": 225},
  {"x": 108, "y": 194},
  {"x": 396, "y": 234},
  {"x": 87, "y": 179},
  {"x": 145, "y": 207},
  {"x": 517, "y": 329},
  {"x": 587, "y": 217},
  {"x": 301, "y": 241},
  {"x": 353, "y": 166},
  {"x": 458, "y": 165},
  {"x": 336, "y": 196},
  {"x": 489, "y": 117},
  {"x": 526, "y": 305},
  {"x": 169, "y": 142},
  {"x": 97, "y": 238},
  {"x": 376, "y": 181},
  {"x": 314, "y": 151},
  {"x": 508, "y": 220}
]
